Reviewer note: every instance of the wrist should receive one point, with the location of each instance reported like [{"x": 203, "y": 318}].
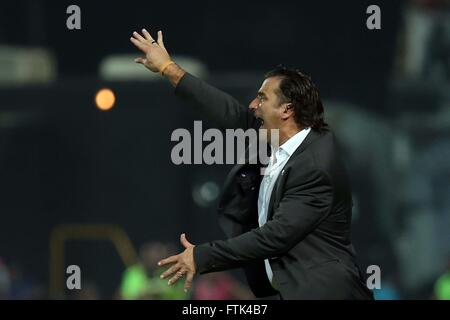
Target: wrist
[
  {"x": 165, "y": 65},
  {"x": 173, "y": 72}
]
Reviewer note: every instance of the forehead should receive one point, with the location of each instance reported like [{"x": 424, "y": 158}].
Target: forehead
[{"x": 270, "y": 85}]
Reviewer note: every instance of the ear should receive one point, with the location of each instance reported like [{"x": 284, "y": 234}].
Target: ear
[{"x": 287, "y": 111}]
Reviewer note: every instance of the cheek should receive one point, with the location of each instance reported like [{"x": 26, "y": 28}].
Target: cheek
[{"x": 272, "y": 113}]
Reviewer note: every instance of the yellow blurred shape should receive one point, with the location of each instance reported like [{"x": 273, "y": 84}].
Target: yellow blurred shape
[{"x": 105, "y": 99}]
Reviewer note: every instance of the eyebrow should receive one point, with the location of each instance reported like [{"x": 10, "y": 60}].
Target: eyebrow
[{"x": 262, "y": 94}]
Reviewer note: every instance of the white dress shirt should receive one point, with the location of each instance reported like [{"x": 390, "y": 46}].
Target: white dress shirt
[{"x": 277, "y": 162}]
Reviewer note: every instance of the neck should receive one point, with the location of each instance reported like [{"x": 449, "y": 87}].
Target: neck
[{"x": 288, "y": 132}]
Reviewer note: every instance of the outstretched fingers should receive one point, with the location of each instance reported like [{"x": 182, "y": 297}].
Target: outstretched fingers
[
  {"x": 188, "y": 282},
  {"x": 138, "y": 36},
  {"x": 169, "y": 260},
  {"x": 170, "y": 271},
  {"x": 160, "y": 39},
  {"x": 147, "y": 35},
  {"x": 140, "y": 45}
]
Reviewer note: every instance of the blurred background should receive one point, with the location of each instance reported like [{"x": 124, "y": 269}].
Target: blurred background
[{"x": 85, "y": 134}]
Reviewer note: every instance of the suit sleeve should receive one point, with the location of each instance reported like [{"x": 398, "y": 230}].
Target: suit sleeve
[
  {"x": 303, "y": 206},
  {"x": 217, "y": 105}
]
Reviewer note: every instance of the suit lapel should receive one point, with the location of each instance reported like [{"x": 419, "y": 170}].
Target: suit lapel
[
  {"x": 281, "y": 180},
  {"x": 275, "y": 195},
  {"x": 310, "y": 138}
]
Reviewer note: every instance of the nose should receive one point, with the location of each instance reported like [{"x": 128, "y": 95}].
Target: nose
[{"x": 254, "y": 104}]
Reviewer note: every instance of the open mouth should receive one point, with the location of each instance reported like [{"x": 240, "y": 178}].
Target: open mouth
[{"x": 260, "y": 120}]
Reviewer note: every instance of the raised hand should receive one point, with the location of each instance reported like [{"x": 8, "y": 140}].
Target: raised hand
[
  {"x": 156, "y": 56},
  {"x": 182, "y": 264}
]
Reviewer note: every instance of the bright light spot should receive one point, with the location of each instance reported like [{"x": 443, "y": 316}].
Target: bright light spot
[
  {"x": 206, "y": 193},
  {"x": 105, "y": 99}
]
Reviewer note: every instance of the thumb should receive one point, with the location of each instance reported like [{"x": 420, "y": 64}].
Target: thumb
[
  {"x": 160, "y": 39},
  {"x": 140, "y": 60},
  {"x": 184, "y": 241}
]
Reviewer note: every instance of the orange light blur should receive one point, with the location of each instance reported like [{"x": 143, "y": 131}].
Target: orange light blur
[{"x": 105, "y": 99}]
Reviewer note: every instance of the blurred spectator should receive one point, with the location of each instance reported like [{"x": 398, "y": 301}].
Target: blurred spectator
[
  {"x": 24, "y": 287},
  {"x": 220, "y": 286},
  {"x": 426, "y": 40},
  {"x": 15, "y": 286},
  {"x": 442, "y": 286},
  {"x": 142, "y": 280}
]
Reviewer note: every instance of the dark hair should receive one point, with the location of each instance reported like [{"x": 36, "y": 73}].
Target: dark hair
[{"x": 299, "y": 89}]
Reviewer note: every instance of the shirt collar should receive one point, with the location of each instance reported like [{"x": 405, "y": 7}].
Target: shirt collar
[{"x": 294, "y": 142}]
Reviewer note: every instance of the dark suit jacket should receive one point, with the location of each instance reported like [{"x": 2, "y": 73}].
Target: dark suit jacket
[{"x": 307, "y": 234}]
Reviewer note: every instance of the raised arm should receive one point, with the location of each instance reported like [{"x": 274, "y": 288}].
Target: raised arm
[{"x": 214, "y": 103}]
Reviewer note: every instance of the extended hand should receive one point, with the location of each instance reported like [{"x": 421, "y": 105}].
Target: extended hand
[
  {"x": 156, "y": 55},
  {"x": 183, "y": 264}
]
